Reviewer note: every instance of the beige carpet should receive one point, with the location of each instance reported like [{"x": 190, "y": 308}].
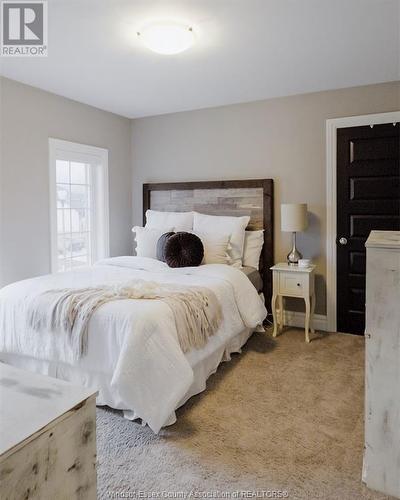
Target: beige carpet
[{"x": 284, "y": 415}]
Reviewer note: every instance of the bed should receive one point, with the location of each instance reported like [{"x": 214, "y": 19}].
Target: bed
[{"x": 133, "y": 358}]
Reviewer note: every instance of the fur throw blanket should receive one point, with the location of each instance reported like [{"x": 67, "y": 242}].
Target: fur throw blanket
[{"x": 196, "y": 310}]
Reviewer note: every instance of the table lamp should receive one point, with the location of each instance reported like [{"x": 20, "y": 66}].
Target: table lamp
[{"x": 293, "y": 219}]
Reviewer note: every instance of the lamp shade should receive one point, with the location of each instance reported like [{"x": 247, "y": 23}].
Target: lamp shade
[{"x": 293, "y": 217}]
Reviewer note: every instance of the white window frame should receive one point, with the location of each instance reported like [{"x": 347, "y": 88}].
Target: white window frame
[{"x": 72, "y": 151}]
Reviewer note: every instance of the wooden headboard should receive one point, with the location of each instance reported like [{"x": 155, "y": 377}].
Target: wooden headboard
[{"x": 254, "y": 197}]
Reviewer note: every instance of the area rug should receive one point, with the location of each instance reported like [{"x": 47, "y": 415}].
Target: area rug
[{"x": 282, "y": 420}]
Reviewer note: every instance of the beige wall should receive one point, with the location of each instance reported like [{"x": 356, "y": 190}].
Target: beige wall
[
  {"x": 28, "y": 118},
  {"x": 279, "y": 138},
  {"x": 282, "y": 138}
]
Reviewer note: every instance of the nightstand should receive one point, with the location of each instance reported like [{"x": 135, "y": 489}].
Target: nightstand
[{"x": 293, "y": 281}]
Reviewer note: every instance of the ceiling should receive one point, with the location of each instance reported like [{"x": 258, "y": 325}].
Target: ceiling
[{"x": 245, "y": 50}]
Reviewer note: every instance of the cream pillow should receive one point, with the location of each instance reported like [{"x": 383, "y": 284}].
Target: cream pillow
[
  {"x": 181, "y": 221},
  {"x": 253, "y": 243},
  {"x": 216, "y": 248},
  {"x": 146, "y": 240},
  {"x": 233, "y": 226}
]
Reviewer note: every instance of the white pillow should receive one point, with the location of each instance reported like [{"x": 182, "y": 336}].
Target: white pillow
[
  {"x": 216, "y": 247},
  {"x": 253, "y": 243},
  {"x": 234, "y": 226},
  {"x": 181, "y": 221},
  {"x": 146, "y": 240}
]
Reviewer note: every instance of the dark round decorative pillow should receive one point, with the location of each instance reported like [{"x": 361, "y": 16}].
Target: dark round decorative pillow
[
  {"x": 183, "y": 250},
  {"x": 162, "y": 240}
]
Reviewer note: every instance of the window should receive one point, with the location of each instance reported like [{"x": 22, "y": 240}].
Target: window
[{"x": 78, "y": 203}]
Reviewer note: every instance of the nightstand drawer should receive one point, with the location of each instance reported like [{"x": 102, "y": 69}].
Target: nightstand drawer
[{"x": 292, "y": 284}]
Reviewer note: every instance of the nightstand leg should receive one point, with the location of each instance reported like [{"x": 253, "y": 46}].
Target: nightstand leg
[
  {"x": 307, "y": 322},
  {"x": 280, "y": 304},
  {"x": 312, "y": 313},
  {"x": 274, "y": 315}
]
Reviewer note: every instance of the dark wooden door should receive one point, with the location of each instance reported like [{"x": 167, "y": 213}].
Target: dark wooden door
[{"x": 368, "y": 197}]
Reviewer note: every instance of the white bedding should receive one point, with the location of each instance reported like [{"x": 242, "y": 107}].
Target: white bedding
[{"x": 133, "y": 342}]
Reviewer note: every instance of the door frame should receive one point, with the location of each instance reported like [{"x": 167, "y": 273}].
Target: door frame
[{"x": 331, "y": 144}]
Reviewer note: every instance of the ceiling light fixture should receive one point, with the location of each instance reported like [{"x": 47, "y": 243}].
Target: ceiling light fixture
[{"x": 167, "y": 37}]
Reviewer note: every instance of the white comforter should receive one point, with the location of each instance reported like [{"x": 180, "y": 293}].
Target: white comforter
[{"x": 139, "y": 339}]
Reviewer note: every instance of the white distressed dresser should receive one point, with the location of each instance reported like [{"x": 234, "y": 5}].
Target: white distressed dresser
[
  {"x": 47, "y": 438},
  {"x": 381, "y": 469}
]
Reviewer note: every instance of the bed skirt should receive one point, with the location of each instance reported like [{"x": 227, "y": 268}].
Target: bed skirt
[{"x": 204, "y": 363}]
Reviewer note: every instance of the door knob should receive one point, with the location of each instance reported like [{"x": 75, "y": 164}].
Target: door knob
[{"x": 343, "y": 240}]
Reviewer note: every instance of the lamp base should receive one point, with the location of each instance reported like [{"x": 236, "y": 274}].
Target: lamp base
[{"x": 294, "y": 255}]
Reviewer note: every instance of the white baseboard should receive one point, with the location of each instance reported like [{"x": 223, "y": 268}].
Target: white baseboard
[{"x": 294, "y": 318}]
